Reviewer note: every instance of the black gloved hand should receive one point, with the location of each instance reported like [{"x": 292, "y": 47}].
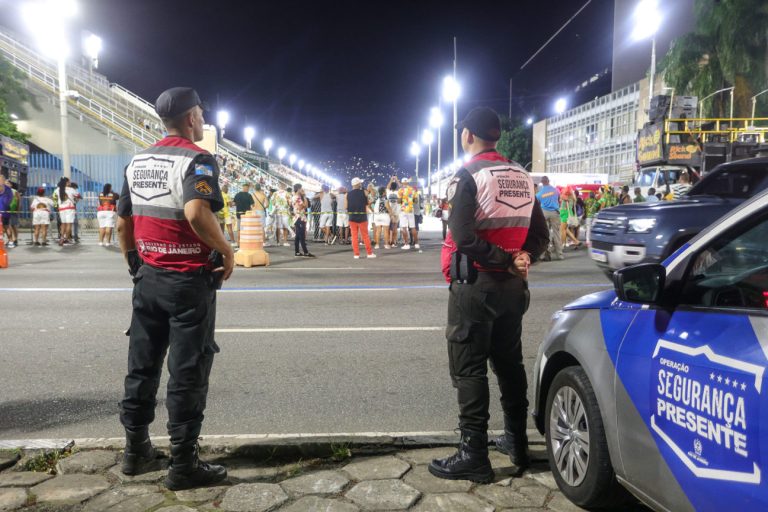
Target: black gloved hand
[{"x": 134, "y": 262}]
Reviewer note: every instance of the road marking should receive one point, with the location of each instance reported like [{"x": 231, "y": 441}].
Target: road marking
[
  {"x": 327, "y": 329},
  {"x": 362, "y": 288}
]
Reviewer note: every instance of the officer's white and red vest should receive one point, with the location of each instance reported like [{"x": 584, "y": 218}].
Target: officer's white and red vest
[
  {"x": 504, "y": 203},
  {"x": 156, "y": 180}
]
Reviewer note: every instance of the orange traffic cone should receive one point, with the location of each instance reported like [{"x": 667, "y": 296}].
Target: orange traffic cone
[
  {"x": 251, "y": 250},
  {"x": 3, "y": 254}
]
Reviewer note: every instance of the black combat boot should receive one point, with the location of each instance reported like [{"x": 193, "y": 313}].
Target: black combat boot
[
  {"x": 187, "y": 470},
  {"x": 514, "y": 442},
  {"x": 470, "y": 462},
  {"x": 140, "y": 456}
]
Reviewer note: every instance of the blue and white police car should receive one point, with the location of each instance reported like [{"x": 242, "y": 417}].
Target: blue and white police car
[{"x": 656, "y": 387}]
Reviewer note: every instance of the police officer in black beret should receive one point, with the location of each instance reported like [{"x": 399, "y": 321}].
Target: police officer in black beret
[{"x": 178, "y": 257}]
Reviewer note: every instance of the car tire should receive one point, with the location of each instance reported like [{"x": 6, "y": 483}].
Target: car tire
[{"x": 582, "y": 470}]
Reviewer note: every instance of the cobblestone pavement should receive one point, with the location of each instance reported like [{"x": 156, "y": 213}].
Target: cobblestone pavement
[{"x": 90, "y": 481}]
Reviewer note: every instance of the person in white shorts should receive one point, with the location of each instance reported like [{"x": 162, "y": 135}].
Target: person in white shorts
[
  {"x": 342, "y": 215},
  {"x": 381, "y": 218},
  {"x": 106, "y": 214},
  {"x": 41, "y": 216},
  {"x": 326, "y": 213}
]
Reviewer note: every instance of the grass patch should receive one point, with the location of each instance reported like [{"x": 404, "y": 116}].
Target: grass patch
[
  {"x": 45, "y": 462},
  {"x": 341, "y": 452}
]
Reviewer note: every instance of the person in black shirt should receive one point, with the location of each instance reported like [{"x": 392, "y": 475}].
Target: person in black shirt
[
  {"x": 357, "y": 205},
  {"x": 243, "y": 204}
]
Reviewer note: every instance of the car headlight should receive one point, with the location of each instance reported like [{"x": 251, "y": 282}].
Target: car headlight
[{"x": 641, "y": 225}]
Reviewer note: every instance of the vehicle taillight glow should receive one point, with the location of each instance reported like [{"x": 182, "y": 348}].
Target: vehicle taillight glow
[{"x": 765, "y": 298}]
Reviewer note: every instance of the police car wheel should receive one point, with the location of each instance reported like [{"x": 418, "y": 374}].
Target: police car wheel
[{"x": 576, "y": 446}]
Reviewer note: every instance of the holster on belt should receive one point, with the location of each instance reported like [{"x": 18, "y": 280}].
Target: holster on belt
[{"x": 462, "y": 269}]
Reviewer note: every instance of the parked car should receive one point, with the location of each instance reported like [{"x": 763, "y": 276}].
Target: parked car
[
  {"x": 649, "y": 232},
  {"x": 655, "y": 387}
]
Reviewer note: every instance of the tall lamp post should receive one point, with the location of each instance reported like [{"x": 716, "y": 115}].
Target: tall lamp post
[
  {"x": 249, "y": 133},
  {"x": 754, "y": 103},
  {"x": 47, "y": 22},
  {"x": 647, "y": 22},
  {"x": 292, "y": 160},
  {"x": 92, "y": 47},
  {"x": 701, "y": 101},
  {"x": 415, "y": 151},
  {"x": 267, "y": 146},
  {"x": 436, "y": 122},
  {"x": 222, "y": 119},
  {"x": 451, "y": 92},
  {"x": 427, "y": 138},
  {"x": 281, "y": 152}
]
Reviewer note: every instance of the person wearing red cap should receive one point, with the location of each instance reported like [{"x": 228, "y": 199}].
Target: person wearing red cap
[{"x": 497, "y": 229}]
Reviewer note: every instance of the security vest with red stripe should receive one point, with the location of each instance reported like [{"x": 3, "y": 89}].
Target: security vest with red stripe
[
  {"x": 159, "y": 181},
  {"x": 503, "y": 204}
]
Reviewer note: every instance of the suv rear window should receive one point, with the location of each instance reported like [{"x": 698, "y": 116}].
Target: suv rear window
[{"x": 741, "y": 182}]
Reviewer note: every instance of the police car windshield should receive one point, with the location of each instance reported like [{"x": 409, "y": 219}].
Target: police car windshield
[{"x": 739, "y": 182}]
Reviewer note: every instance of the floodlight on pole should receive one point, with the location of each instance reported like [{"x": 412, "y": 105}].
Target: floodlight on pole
[
  {"x": 291, "y": 160},
  {"x": 92, "y": 45},
  {"x": 268, "y": 145},
  {"x": 281, "y": 154},
  {"x": 560, "y": 105},
  {"x": 249, "y": 133},
  {"x": 451, "y": 93},
  {"x": 222, "y": 119},
  {"x": 416, "y": 151},
  {"x": 529, "y": 121},
  {"x": 46, "y": 21},
  {"x": 647, "y": 23},
  {"x": 427, "y": 137},
  {"x": 436, "y": 121}
]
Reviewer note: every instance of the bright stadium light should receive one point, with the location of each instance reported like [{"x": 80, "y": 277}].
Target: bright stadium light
[
  {"x": 222, "y": 119},
  {"x": 451, "y": 89},
  {"x": 415, "y": 149},
  {"x": 268, "y": 145},
  {"x": 529, "y": 121},
  {"x": 47, "y": 21},
  {"x": 301, "y": 165},
  {"x": 292, "y": 159},
  {"x": 249, "y": 133},
  {"x": 91, "y": 48},
  {"x": 647, "y": 23},
  {"x": 427, "y": 137},
  {"x": 560, "y": 105},
  {"x": 281, "y": 154},
  {"x": 435, "y": 117}
]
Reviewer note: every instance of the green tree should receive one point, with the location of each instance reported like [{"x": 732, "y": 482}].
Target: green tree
[
  {"x": 728, "y": 47},
  {"x": 515, "y": 141},
  {"x": 11, "y": 86}
]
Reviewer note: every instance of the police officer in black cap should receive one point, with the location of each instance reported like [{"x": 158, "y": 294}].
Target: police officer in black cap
[
  {"x": 497, "y": 230},
  {"x": 178, "y": 257}
]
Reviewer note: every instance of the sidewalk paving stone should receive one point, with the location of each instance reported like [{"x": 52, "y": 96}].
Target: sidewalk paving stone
[
  {"x": 253, "y": 498},
  {"x": 70, "y": 488},
  {"x": 145, "y": 478},
  {"x": 559, "y": 503},
  {"x": 316, "y": 504},
  {"x": 201, "y": 494},
  {"x": 426, "y": 455},
  {"x": 383, "y": 495},
  {"x": 90, "y": 462},
  {"x": 545, "y": 478},
  {"x": 11, "y": 499},
  {"x": 176, "y": 508},
  {"x": 420, "y": 478},
  {"x": 126, "y": 499},
  {"x": 23, "y": 478},
  {"x": 377, "y": 468},
  {"x": 321, "y": 482},
  {"x": 452, "y": 502},
  {"x": 513, "y": 497}
]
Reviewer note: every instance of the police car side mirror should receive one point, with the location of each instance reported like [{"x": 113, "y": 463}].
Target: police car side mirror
[{"x": 642, "y": 283}]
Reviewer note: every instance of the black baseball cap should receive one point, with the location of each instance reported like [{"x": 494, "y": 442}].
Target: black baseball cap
[
  {"x": 483, "y": 122},
  {"x": 177, "y": 100}
]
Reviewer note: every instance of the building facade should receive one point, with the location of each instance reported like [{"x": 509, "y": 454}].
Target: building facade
[{"x": 598, "y": 137}]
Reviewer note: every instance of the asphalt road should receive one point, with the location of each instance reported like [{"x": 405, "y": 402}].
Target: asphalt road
[{"x": 63, "y": 352}]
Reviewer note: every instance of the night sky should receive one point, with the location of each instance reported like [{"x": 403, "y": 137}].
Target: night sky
[{"x": 331, "y": 80}]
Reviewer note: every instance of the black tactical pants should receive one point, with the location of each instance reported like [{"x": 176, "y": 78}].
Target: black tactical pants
[
  {"x": 173, "y": 313},
  {"x": 485, "y": 324}
]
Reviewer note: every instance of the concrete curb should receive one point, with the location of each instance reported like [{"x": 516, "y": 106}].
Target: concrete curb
[{"x": 275, "y": 445}]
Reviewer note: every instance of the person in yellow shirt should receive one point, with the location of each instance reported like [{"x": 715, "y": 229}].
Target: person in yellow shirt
[
  {"x": 407, "y": 196},
  {"x": 225, "y": 215}
]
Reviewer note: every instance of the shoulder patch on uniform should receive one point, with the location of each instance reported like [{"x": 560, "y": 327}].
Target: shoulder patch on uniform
[
  {"x": 451, "y": 190},
  {"x": 203, "y": 187},
  {"x": 203, "y": 170}
]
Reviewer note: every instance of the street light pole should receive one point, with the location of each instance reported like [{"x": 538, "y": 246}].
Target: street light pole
[
  {"x": 701, "y": 101},
  {"x": 754, "y": 103},
  {"x": 455, "y": 104},
  {"x": 653, "y": 69},
  {"x": 66, "y": 167}
]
